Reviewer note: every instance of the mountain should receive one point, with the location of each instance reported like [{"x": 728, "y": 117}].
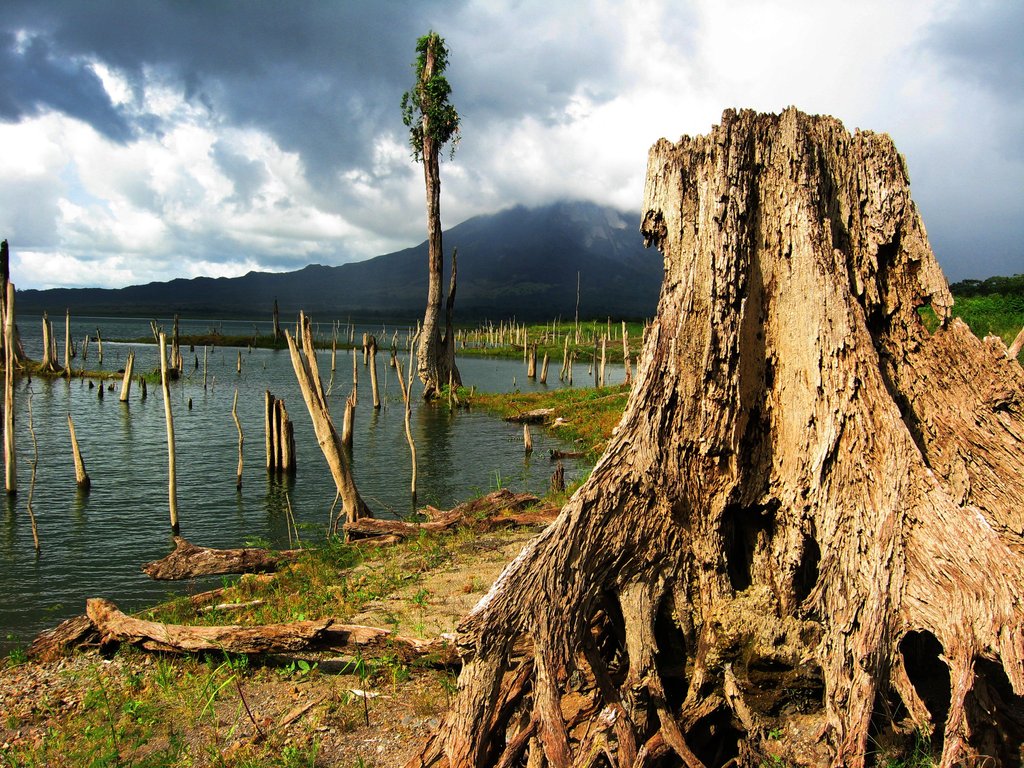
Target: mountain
[{"x": 520, "y": 262}]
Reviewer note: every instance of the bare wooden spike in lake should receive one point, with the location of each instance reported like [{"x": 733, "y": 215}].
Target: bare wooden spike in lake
[
  {"x": 99, "y": 345},
  {"x": 406, "y": 387},
  {"x": 531, "y": 362},
  {"x": 10, "y": 455},
  {"x": 372, "y": 346},
  {"x": 527, "y": 439},
  {"x": 625, "y": 353},
  {"x": 604, "y": 357},
  {"x": 238, "y": 366},
  {"x": 172, "y": 478},
  {"x": 67, "y": 342},
  {"x": 126, "y": 381},
  {"x": 355, "y": 378},
  {"x": 277, "y": 322},
  {"x": 241, "y": 439},
  {"x": 544, "y": 370},
  {"x": 81, "y": 476}
]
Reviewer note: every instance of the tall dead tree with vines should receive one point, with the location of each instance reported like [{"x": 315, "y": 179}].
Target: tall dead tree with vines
[{"x": 433, "y": 122}]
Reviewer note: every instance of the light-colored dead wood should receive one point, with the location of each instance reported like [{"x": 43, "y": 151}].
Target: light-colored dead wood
[
  {"x": 527, "y": 439},
  {"x": 626, "y": 363},
  {"x": 406, "y": 387},
  {"x": 1016, "y": 346}
]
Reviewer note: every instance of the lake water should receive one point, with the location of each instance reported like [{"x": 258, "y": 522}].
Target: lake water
[{"x": 93, "y": 545}]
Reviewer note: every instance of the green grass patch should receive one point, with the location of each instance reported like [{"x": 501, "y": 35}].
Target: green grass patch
[{"x": 589, "y": 414}]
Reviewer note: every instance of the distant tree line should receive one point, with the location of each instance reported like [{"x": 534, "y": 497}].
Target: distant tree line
[{"x": 1003, "y": 286}]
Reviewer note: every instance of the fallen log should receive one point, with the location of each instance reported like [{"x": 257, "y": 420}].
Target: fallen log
[
  {"x": 494, "y": 510},
  {"x": 315, "y": 635},
  {"x": 556, "y": 455},
  {"x": 113, "y": 625},
  {"x": 188, "y": 561}
]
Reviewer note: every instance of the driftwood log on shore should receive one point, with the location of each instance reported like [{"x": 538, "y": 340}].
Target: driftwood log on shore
[
  {"x": 188, "y": 561},
  {"x": 316, "y": 635}
]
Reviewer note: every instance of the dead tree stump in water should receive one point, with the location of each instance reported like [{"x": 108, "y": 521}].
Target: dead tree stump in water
[
  {"x": 808, "y": 523},
  {"x": 372, "y": 348},
  {"x": 126, "y": 381},
  {"x": 280, "y": 436},
  {"x": 81, "y": 476},
  {"x": 172, "y": 474}
]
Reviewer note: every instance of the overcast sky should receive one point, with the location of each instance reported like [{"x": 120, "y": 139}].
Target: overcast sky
[{"x": 144, "y": 140}]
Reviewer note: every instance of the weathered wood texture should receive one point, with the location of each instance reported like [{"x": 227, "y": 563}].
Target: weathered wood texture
[
  {"x": 188, "y": 561},
  {"x": 810, "y": 520}
]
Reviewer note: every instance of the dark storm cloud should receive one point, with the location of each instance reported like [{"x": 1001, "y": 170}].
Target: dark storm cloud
[
  {"x": 34, "y": 77},
  {"x": 321, "y": 77}
]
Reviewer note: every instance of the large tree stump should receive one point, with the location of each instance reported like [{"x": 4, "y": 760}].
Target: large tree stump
[{"x": 805, "y": 541}]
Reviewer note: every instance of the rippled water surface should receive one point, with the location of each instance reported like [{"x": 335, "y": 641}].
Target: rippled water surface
[{"x": 94, "y": 544}]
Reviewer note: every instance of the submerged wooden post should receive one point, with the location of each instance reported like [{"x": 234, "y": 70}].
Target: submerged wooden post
[
  {"x": 10, "y": 456},
  {"x": 238, "y": 367},
  {"x": 355, "y": 378},
  {"x": 126, "y": 382},
  {"x": 277, "y": 322},
  {"x": 172, "y": 480},
  {"x": 99, "y": 345},
  {"x": 81, "y": 476},
  {"x": 604, "y": 356},
  {"x": 544, "y": 370},
  {"x": 67, "y": 342},
  {"x": 241, "y": 440},
  {"x": 372, "y": 346},
  {"x": 531, "y": 362},
  {"x": 527, "y": 439},
  {"x": 269, "y": 410}
]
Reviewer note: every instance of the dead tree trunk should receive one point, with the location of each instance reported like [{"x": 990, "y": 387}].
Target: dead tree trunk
[
  {"x": 807, "y": 529},
  {"x": 308, "y": 374},
  {"x": 67, "y": 342},
  {"x": 49, "y": 362}
]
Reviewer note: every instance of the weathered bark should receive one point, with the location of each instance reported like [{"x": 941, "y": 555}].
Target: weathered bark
[
  {"x": 809, "y": 520},
  {"x": 308, "y": 374},
  {"x": 277, "y": 322},
  {"x": 81, "y": 476},
  {"x": 188, "y": 561}
]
